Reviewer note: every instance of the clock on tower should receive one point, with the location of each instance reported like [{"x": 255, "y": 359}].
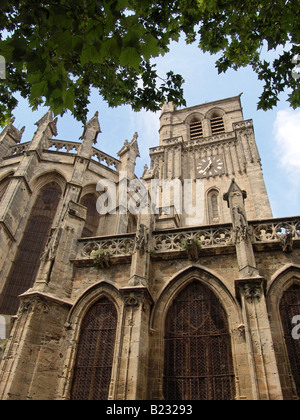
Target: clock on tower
[{"x": 211, "y": 166}]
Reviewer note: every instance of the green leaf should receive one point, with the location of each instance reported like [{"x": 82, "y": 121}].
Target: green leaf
[
  {"x": 39, "y": 89},
  {"x": 130, "y": 58},
  {"x": 69, "y": 99},
  {"x": 86, "y": 55},
  {"x": 151, "y": 47}
]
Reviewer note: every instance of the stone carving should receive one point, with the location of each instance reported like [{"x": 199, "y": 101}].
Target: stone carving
[
  {"x": 105, "y": 159},
  {"x": 142, "y": 239},
  {"x": 34, "y": 304},
  {"x": 176, "y": 241},
  {"x": 101, "y": 258},
  {"x": 273, "y": 231},
  {"x": 52, "y": 245},
  {"x": 114, "y": 246},
  {"x": 287, "y": 242},
  {"x": 240, "y": 333},
  {"x": 276, "y": 230},
  {"x": 133, "y": 300},
  {"x": 240, "y": 224},
  {"x": 192, "y": 248},
  {"x": 63, "y": 146},
  {"x": 251, "y": 292}
]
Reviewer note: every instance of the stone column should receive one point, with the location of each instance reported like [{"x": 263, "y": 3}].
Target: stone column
[
  {"x": 128, "y": 155},
  {"x": 141, "y": 257},
  {"x": 250, "y": 290},
  {"x": 262, "y": 361},
  {"x": 235, "y": 198},
  {"x": 133, "y": 366},
  {"x": 33, "y": 360}
]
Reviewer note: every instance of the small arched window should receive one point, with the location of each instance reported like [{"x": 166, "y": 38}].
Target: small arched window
[
  {"x": 290, "y": 308},
  {"x": 217, "y": 124},
  {"x": 213, "y": 207},
  {"x": 196, "y": 129},
  {"x": 92, "y": 220},
  {"x": 95, "y": 353}
]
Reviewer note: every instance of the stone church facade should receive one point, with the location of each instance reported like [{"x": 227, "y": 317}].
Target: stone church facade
[{"x": 153, "y": 305}]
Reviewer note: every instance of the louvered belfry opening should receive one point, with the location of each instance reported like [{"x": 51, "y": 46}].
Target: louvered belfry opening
[
  {"x": 289, "y": 308},
  {"x": 198, "y": 357},
  {"x": 217, "y": 125},
  {"x": 92, "y": 219},
  {"x": 32, "y": 245},
  {"x": 196, "y": 130},
  {"x": 93, "y": 366}
]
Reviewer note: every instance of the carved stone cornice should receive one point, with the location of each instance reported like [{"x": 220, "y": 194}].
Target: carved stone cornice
[
  {"x": 136, "y": 296},
  {"x": 34, "y": 301},
  {"x": 252, "y": 289}
]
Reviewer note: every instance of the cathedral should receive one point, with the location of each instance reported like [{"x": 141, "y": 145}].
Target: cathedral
[{"x": 179, "y": 285}]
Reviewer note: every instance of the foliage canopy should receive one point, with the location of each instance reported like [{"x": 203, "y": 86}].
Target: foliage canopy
[{"x": 56, "y": 51}]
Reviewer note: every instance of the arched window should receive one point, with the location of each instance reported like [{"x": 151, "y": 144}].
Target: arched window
[
  {"x": 198, "y": 359},
  {"x": 93, "y": 366},
  {"x": 196, "y": 129},
  {"x": 27, "y": 261},
  {"x": 213, "y": 206},
  {"x": 217, "y": 124},
  {"x": 93, "y": 217},
  {"x": 289, "y": 308}
]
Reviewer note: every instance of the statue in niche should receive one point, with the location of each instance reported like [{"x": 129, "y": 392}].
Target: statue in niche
[
  {"x": 142, "y": 239},
  {"x": 240, "y": 224}
]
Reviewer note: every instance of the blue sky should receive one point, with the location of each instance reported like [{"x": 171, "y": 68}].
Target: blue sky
[{"x": 277, "y": 131}]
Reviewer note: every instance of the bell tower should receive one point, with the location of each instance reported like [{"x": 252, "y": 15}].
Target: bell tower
[{"x": 211, "y": 143}]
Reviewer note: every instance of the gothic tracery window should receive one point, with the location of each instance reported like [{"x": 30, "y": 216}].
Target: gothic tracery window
[
  {"x": 289, "y": 308},
  {"x": 93, "y": 366},
  {"x": 198, "y": 359},
  {"x": 27, "y": 261}
]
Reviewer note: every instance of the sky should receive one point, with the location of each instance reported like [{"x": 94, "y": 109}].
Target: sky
[{"x": 277, "y": 131}]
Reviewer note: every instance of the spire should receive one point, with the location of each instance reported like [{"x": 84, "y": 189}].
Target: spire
[
  {"x": 14, "y": 133},
  {"x": 48, "y": 119},
  {"x": 128, "y": 154},
  {"x": 89, "y": 136},
  {"x": 133, "y": 145},
  {"x": 91, "y": 129},
  {"x": 234, "y": 194},
  {"x": 9, "y": 137}
]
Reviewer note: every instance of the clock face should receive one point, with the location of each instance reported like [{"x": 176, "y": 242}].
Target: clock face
[{"x": 211, "y": 166}]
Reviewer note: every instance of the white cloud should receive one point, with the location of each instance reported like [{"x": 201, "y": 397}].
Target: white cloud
[{"x": 287, "y": 136}]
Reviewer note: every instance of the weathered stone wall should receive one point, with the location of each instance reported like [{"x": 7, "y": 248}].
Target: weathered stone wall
[{"x": 247, "y": 265}]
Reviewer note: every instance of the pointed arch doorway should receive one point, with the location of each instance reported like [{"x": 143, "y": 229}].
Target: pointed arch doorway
[
  {"x": 95, "y": 353},
  {"x": 198, "y": 361}
]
